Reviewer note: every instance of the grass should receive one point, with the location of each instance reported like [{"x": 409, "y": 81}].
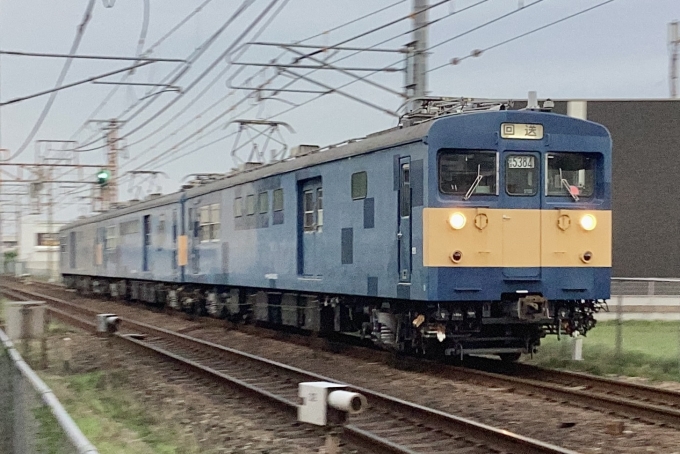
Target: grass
[
  {"x": 650, "y": 349},
  {"x": 106, "y": 411}
]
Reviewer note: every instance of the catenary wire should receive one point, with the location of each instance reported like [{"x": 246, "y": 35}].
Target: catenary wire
[
  {"x": 67, "y": 65},
  {"x": 477, "y": 52},
  {"x": 204, "y": 91},
  {"x": 174, "y": 77},
  {"x": 147, "y": 52},
  {"x": 357, "y": 80}
]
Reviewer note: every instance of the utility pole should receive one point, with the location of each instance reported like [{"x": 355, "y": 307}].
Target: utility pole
[
  {"x": 110, "y": 190},
  {"x": 674, "y": 49},
  {"x": 416, "y": 65}
]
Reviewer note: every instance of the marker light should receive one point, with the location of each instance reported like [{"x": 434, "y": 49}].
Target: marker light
[
  {"x": 457, "y": 220},
  {"x": 588, "y": 222}
]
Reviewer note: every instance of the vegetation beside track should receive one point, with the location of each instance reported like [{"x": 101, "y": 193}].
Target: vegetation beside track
[
  {"x": 103, "y": 405},
  {"x": 650, "y": 349}
]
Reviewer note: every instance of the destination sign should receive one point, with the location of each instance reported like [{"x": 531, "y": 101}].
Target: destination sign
[{"x": 522, "y": 131}]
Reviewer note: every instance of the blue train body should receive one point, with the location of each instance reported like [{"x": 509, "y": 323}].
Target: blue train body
[{"x": 363, "y": 237}]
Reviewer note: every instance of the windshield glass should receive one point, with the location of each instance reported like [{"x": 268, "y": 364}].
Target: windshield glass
[
  {"x": 571, "y": 174},
  {"x": 521, "y": 174},
  {"x": 459, "y": 170}
]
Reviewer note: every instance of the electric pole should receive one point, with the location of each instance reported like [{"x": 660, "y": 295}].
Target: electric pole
[
  {"x": 109, "y": 191},
  {"x": 674, "y": 49},
  {"x": 416, "y": 64}
]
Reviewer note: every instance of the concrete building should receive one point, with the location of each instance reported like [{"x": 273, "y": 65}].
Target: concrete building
[{"x": 38, "y": 246}]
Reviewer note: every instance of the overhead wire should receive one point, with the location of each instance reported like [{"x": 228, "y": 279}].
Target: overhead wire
[
  {"x": 239, "y": 70},
  {"x": 147, "y": 52},
  {"x": 338, "y": 44},
  {"x": 181, "y": 70},
  {"x": 478, "y": 52},
  {"x": 67, "y": 65},
  {"x": 203, "y": 92}
]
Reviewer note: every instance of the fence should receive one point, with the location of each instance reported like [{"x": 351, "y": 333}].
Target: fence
[
  {"x": 643, "y": 299},
  {"x": 31, "y": 418}
]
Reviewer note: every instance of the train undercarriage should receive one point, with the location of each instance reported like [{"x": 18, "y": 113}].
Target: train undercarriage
[{"x": 512, "y": 326}]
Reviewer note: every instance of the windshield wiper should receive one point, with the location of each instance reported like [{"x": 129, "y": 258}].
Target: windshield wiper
[
  {"x": 565, "y": 184},
  {"x": 474, "y": 183}
]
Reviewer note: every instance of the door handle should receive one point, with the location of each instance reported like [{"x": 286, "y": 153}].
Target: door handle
[
  {"x": 399, "y": 235},
  {"x": 506, "y": 217}
]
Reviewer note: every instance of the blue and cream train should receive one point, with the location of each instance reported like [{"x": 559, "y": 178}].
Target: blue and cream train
[{"x": 479, "y": 232}]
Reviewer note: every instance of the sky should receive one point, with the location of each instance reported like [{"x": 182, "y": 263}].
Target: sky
[{"x": 618, "y": 50}]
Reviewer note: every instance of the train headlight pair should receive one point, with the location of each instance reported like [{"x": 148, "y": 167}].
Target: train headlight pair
[
  {"x": 588, "y": 222},
  {"x": 457, "y": 220}
]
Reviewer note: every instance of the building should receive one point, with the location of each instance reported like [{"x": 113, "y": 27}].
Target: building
[{"x": 38, "y": 246}]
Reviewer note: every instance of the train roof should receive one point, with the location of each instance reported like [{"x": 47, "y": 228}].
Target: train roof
[
  {"x": 371, "y": 143},
  {"x": 374, "y": 142}
]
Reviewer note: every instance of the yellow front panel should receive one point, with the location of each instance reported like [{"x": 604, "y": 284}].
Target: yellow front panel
[
  {"x": 564, "y": 240},
  {"x": 521, "y": 238},
  {"x": 515, "y": 238}
]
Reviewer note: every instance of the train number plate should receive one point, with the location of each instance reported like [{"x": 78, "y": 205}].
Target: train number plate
[
  {"x": 521, "y": 131},
  {"x": 521, "y": 162}
]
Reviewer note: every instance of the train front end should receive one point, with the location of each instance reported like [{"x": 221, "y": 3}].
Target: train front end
[{"x": 516, "y": 231}]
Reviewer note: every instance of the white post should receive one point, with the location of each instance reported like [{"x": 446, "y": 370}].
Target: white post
[{"x": 577, "y": 350}]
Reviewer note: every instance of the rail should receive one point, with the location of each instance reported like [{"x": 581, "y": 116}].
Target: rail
[{"x": 229, "y": 365}]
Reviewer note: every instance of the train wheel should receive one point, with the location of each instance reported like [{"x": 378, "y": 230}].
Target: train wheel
[{"x": 510, "y": 357}]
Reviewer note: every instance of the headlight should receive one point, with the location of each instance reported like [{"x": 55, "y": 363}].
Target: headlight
[
  {"x": 588, "y": 222},
  {"x": 457, "y": 221}
]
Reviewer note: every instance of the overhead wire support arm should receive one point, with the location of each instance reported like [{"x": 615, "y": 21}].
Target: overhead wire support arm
[
  {"x": 324, "y": 48},
  {"x": 90, "y": 57},
  {"x": 342, "y": 93},
  {"x": 323, "y": 66},
  {"x": 347, "y": 72},
  {"x": 63, "y": 87}
]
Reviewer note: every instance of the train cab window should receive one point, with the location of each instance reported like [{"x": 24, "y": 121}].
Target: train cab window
[
  {"x": 359, "y": 185},
  {"x": 571, "y": 174},
  {"x": 238, "y": 207},
  {"x": 468, "y": 172},
  {"x": 521, "y": 175},
  {"x": 250, "y": 204},
  {"x": 263, "y": 202},
  {"x": 278, "y": 200}
]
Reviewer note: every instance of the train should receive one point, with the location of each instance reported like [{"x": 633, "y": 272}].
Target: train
[{"x": 476, "y": 230}]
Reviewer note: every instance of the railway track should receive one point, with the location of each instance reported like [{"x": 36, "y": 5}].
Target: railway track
[
  {"x": 631, "y": 400},
  {"x": 390, "y": 426}
]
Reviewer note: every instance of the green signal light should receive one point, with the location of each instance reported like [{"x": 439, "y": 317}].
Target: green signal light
[{"x": 103, "y": 177}]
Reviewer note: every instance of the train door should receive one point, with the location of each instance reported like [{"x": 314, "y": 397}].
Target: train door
[
  {"x": 310, "y": 227},
  {"x": 522, "y": 219},
  {"x": 147, "y": 242},
  {"x": 404, "y": 220}
]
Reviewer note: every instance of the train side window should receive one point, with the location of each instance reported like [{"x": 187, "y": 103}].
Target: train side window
[
  {"x": 278, "y": 200},
  {"x": 359, "y": 185},
  {"x": 263, "y": 202},
  {"x": 215, "y": 221},
  {"x": 250, "y": 204},
  {"x": 308, "y": 202},
  {"x": 521, "y": 175},
  {"x": 463, "y": 170},
  {"x": 319, "y": 207},
  {"x": 238, "y": 207},
  {"x": 111, "y": 238},
  {"x": 209, "y": 218}
]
